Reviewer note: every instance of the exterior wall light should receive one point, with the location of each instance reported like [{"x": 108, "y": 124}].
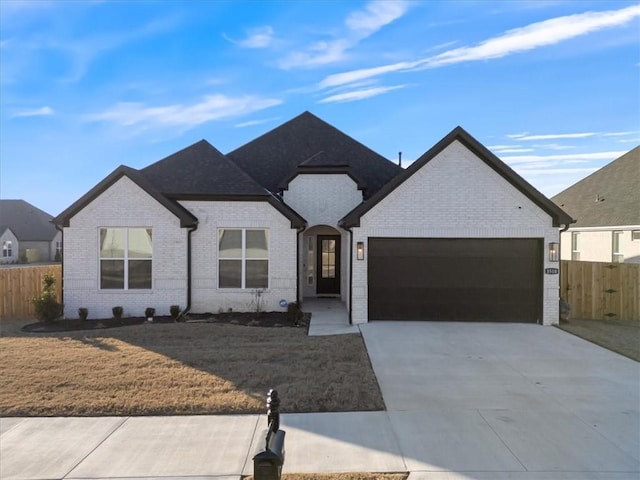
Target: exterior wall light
[
  {"x": 360, "y": 250},
  {"x": 554, "y": 252}
]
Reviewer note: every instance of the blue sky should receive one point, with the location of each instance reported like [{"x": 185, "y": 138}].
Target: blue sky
[{"x": 551, "y": 87}]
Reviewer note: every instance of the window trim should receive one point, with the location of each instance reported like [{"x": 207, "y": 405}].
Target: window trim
[
  {"x": 125, "y": 259},
  {"x": 616, "y": 255},
  {"x": 7, "y": 249},
  {"x": 243, "y": 258},
  {"x": 575, "y": 246}
]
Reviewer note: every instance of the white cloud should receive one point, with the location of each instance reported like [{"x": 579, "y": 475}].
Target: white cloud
[
  {"x": 619, "y": 134},
  {"x": 359, "y": 94},
  {"x": 554, "y": 171},
  {"x": 210, "y": 108},
  {"x": 551, "y": 136},
  {"x": 360, "y": 25},
  {"x": 564, "y": 157},
  {"x": 260, "y": 37},
  {"x": 513, "y": 150},
  {"x": 536, "y": 35},
  {"x": 252, "y": 123},
  {"x": 38, "y": 112}
]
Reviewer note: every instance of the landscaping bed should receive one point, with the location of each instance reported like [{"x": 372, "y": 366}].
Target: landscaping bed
[{"x": 202, "y": 366}]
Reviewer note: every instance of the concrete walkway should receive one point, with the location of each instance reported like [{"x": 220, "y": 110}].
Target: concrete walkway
[
  {"x": 464, "y": 402},
  {"x": 329, "y": 316}
]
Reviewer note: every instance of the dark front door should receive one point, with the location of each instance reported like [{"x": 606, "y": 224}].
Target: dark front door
[{"x": 328, "y": 264}]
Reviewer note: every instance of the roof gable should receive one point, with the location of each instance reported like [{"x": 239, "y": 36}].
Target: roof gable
[
  {"x": 483, "y": 154},
  {"x": 186, "y": 218},
  {"x": 272, "y": 158},
  {"x": 27, "y": 222},
  {"x": 198, "y": 170},
  {"x": 608, "y": 197}
]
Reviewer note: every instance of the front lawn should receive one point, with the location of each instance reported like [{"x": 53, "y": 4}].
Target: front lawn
[{"x": 181, "y": 368}]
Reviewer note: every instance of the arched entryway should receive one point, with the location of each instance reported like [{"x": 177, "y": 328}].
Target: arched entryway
[{"x": 323, "y": 262}]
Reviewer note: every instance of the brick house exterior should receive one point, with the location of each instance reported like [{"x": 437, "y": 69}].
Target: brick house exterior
[{"x": 306, "y": 211}]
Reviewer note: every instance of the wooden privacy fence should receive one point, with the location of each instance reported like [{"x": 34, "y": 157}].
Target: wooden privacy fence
[
  {"x": 599, "y": 291},
  {"x": 20, "y": 285}
]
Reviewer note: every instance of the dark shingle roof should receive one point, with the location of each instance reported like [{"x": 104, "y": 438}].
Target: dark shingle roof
[
  {"x": 27, "y": 222},
  {"x": 200, "y": 169},
  {"x": 607, "y": 197},
  {"x": 352, "y": 219},
  {"x": 273, "y": 157}
]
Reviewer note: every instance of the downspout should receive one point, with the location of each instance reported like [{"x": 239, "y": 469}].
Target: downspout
[
  {"x": 298, "y": 299},
  {"x": 350, "y": 274},
  {"x": 188, "y": 307}
]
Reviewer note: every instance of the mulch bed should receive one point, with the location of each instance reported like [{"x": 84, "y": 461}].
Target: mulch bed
[{"x": 250, "y": 319}]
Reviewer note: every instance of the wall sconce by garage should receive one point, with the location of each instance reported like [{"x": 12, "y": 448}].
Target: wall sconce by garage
[
  {"x": 554, "y": 252},
  {"x": 360, "y": 250}
]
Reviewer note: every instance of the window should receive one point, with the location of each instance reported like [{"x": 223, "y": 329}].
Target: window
[
  {"x": 7, "y": 249},
  {"x": 635, "y": 235},
  {"x": 125, "y": 258},
  {"x": 243, "y": 258},
  {"x": 311, "y": 260},
  {"x": 59, "y": 249},
  {"x": 617, "y": 255},
  {"x": 575, "y": 252}
]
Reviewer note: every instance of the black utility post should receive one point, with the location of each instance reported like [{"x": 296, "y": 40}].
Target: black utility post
[{"x": 268, "y": 462}]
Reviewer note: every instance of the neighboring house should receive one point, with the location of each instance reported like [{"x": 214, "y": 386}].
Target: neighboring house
[
  {"x": 606, "y": 206},
  {"x": 27, "y": 234},
  {"x": 306, "y": 211}
]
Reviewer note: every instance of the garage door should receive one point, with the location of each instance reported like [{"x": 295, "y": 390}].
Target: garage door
[{"x": 459, "y": 279}]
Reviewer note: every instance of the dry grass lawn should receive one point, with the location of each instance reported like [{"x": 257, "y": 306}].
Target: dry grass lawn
[
  {"x": 184, "y": 368},
  {"x": 619, "y": 336}
]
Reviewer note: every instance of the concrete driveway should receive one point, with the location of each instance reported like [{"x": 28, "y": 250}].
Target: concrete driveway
[{"x": 506, "y": 401}]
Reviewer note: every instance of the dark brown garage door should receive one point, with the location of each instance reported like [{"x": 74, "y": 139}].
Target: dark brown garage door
[{"x": 459, "y": 279}]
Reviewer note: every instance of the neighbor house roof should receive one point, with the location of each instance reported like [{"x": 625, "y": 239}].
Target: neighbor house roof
[
  {"x": 28, "y": 223},
  {"x": 274, "y": 157},
  {"x": 608, "y": 197},
  {"x": 559, "y": 217}
]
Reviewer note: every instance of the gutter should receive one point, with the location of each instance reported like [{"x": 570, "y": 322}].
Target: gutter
[
  {"x": 61, "y": 230},
  {"x": 188, "y": 307}
]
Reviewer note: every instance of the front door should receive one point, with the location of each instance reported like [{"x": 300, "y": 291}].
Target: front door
[{"x": 328, "y": 265}]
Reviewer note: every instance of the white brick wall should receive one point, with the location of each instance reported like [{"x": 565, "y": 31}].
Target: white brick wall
[
  {"x": 322, "y": 199},
  {"x": 206, "y": 296},
  {"x": 455, "y": 195},
  {"x": 123, "y": 205}
]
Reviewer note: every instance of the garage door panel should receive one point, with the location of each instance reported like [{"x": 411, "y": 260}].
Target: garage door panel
[{"x": 455, "y": 279}]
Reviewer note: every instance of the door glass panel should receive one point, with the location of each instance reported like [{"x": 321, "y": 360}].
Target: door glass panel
[{"x": 328, "y": 259}]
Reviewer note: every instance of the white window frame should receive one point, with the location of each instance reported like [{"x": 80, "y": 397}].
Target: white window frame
[
  {"x": 243, "y": 258},
  {"x": 635, "y": 235},
  {"x": 125, "y": 259},
  {"x": 616, "y": 254},
  {"x": 58, "y": 248},
  {"x": 7, "y": 249},
  {"x": 575, "y": 246}
]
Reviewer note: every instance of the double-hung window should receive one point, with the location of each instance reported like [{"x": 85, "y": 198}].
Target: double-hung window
[
  {"x": 125, "y": 258},
  {"x": 7, "y": 249},
  {"x": 243, "y": 258},
  {"x": 617, "y": 255},
  {"x": 575, "y": 247}
]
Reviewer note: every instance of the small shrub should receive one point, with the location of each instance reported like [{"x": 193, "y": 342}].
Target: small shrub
[
  {"x": 294, "y": 314},
  {"x": 150, "y": 312},
  {"x": 175, "y": 311},
  {"x": 83, "y": 313},
  {"x": 117, "y": 312},
  {"x": 46, "y": 306}
]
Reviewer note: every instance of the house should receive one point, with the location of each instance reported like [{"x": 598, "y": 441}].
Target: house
[
  {"x": 27, "y": 234},
  {"x": 606, "y": 205},
  {"x": 307, "y": 211}
]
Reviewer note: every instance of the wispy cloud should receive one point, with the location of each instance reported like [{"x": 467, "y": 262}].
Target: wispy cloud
[
  {"x": 551, "y": 136},
  {"x": 360, "y": 25},
  {"x": 260, "y": 37},
  {"x": 252, "y": 123},
  {"x": 38, "y": 112},
  {"x": 210, "y": 108},
  {"x": 574, "y": 157},
  {"x": 555, "y": 171},
  {"x": 359, "y": 94},
  {"x": 533, "y": 36}
]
